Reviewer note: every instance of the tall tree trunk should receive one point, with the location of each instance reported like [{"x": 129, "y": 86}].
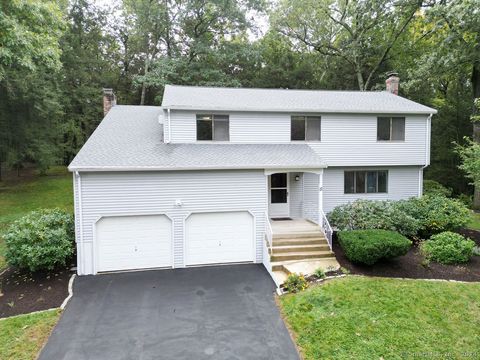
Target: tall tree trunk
[
  {"x": 144, "y": 85},
  {"x": 476, "y": 124}
]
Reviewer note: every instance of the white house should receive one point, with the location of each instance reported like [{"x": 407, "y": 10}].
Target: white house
[{"x": 198, "y": 180}]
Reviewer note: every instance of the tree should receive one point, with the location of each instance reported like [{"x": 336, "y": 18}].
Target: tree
[{"x": 359, "y": 33}]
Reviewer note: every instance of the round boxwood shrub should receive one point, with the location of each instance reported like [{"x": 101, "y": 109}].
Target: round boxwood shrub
[
  {"x": 41, "y": 240},
  {"x": 369, "y": 246},
  {"x": 448, "y": 248}
]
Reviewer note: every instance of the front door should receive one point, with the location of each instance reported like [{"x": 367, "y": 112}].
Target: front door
[{"x": 278, "y": 197}]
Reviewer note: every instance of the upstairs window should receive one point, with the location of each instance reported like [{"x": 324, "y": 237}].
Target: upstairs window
[
  {"x": 213, "y": 127},
  {"x": 305, "y": 128},
  {"x": 365, "y": 182},
  {"x": 391, "y": 129}
]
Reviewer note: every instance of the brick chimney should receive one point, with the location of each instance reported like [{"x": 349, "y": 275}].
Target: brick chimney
[
  {"x": 109, "y": 100},
  {"x": 392, "y": 82}
]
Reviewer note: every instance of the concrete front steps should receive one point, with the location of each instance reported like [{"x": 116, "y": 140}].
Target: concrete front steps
[{"x": 300, "y": 249}]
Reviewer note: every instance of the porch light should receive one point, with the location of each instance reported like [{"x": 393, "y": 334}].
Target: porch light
[{"x": 297, "y": 178}]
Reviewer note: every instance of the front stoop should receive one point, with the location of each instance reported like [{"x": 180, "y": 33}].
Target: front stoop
[{"x": 300, "y": 250}]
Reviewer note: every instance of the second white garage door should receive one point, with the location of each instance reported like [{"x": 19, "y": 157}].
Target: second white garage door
[
  {"x": 214, "y": 238},
  {"x": 133, "y": 242}
]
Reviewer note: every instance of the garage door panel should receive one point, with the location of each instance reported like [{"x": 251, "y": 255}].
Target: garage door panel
[
  {"x": 134, "y": 242},
  {"x": 219, "y": 238}
]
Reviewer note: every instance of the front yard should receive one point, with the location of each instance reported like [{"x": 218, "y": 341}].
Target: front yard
[
  {"x": 23, "y": 336},
  {"x": 374, "y": 318}
]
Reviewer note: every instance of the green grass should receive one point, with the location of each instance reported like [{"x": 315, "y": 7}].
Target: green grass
[
  {"x": 49, "y": 191},
  {"x": 474, "y": 222},
  {"x": 22, "y": 337},
  {"x": 372, "y": 318}
]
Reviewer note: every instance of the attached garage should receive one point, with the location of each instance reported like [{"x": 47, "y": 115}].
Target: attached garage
[
  {"x": 133, "y": 242},
  {"x": 219, "y": 237}
]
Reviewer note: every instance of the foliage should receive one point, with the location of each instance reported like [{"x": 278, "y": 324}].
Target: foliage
[
  {"x": 432, "y": 187},
  {"x": 295, "y": 283},
  {"x": 22, "y": 337},
  {"x": 374, "y": 318},
  {"x": 474, "y": 222},
  {"x": 448, "y": 248},
  {"x": 436, "y": 213},
  {"x": 470, "y": 155},
  {"x": 371, "y": 214},
  {"x": 370, "y": 246},
  {"x": 319, "y": 273},
  {"x": 40, "y": 240}
]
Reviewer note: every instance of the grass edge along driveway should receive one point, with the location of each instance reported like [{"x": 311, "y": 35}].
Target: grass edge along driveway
[
  {"x": 23, "y": 336},
  {"x": 375, "y": 318}
]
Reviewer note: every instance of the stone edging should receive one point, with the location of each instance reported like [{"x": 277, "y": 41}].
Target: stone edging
[{"x": 70, "y": 292}]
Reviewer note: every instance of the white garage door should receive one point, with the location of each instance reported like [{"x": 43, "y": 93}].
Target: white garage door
[
  {"x": 134, "y": 242},
  {"x": 219, "y": 238}
]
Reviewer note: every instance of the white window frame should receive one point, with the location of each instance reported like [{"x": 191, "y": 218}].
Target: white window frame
[
  {"x": 366, "y": 182},
  {"x": 305, "y": 134},
  {"x": 391, "y": 128},
  {"x": 213, "y": 127}
]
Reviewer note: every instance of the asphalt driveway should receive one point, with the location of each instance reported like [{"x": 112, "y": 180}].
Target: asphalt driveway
[{"x": 224, "y": 312}]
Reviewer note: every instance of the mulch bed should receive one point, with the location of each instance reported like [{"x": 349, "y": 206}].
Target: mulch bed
[
  {"x": 410, "y": 265},
  {"x": 22, "y": 293}
]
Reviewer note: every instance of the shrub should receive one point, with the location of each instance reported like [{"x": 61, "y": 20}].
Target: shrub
[
  {"x": 319, "y": 273},
  {"x": 40, "y": 240},
  {"x": 295, "y": 283},
  {"x": 435, "y": 213},
  {"x": 448, "y": 248},
  {"x": 373, "y": 214},
  {"x": 432, "y": 187},
  {"x": 370, "y": 246}
]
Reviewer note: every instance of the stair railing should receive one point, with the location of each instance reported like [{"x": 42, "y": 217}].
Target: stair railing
[
  {"x": 268, "y": 232},
  {"x": 326, "y": 228}
]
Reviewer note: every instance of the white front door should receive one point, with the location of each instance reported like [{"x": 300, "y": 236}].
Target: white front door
[{"x": 278, "y": 197}]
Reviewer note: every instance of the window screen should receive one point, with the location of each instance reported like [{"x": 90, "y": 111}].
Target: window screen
[
  {"x": 391, "y": 129},
  {"x": 349, "y": 184},
  {"x": 313, "y": 128},
  {"x": 213, "y": 127}
]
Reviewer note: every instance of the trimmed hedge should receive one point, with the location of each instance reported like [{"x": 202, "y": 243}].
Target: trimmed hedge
[
  {"x": 370, "y": 246},
  {"x": 41, "y": 240},
  {"x": 448, "y": 248}
]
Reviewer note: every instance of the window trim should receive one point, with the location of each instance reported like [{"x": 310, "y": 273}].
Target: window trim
[
  {"x": 306, "y": 128},
  {"x": 390, "y": 117},
  {"x": 387, "y": 178},
  {"x": 213, "y": 126}
]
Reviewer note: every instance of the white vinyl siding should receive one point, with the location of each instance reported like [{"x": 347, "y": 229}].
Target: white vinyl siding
[
  {"x": 155, "y": 193},
  {"x": 403, "y": 183},
  {"x": 310, "y": 196},
  {"x": 347, "y": 139},
  {"x": 296, "y": 195}
]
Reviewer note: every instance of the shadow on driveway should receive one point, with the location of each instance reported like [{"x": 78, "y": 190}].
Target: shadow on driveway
[{"x": 222, "y": 312}]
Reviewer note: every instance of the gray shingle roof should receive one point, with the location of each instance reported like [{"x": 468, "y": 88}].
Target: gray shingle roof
[
  {"x": 130, "y": 138},
  {"x": 243, "y": 99}
]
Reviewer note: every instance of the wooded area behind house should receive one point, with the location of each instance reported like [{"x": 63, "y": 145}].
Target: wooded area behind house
[{"x": 56, "y": 56}]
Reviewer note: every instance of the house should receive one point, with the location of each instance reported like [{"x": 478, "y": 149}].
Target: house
[{"x": 201, "y": 179}]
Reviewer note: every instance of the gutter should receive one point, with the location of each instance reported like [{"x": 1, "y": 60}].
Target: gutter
[{"x": 159, "y": 168}]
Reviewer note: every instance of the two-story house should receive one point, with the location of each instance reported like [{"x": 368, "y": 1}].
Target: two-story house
[{"x": 233, "y": 175}]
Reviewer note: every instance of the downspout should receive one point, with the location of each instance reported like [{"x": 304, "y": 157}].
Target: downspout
[
  {"x": 169, "y": 127},
  {"x": 427, "y": 153},
  {"x": 80, "y": 215}
]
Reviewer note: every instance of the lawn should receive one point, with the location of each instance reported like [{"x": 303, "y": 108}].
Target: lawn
[
  {"x": 23, "y": 336},
  {"x": 51, "y": 190},
  {"x": 376, "y": 318},
  {"x": 474, "y": 222}
]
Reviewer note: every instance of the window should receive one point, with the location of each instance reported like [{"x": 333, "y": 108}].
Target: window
[
  {"x": 213, "y": 127},
  {"x": 391, "y": 129},
  {"x": 305, "y": 128},
  {"x": 362, "y": 182}
]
